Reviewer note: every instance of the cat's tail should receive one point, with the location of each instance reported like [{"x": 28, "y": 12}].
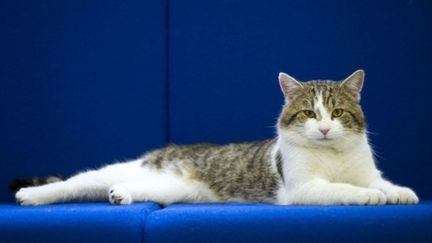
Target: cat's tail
[{"x": 19, "y": 183}]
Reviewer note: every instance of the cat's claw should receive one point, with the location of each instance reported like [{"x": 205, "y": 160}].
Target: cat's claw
[{"x": 119, "y": 196}]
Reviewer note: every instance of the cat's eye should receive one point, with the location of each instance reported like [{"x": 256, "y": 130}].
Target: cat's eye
[
  {"x": 309, "y": 113},
  {"x": 337, "y": 113}
]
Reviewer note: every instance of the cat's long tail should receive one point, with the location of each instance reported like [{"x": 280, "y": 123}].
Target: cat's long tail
[{"x": 19, "y": 183}]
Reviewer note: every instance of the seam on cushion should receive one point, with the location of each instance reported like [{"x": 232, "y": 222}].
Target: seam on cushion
[{"x": 142, "y": 219}]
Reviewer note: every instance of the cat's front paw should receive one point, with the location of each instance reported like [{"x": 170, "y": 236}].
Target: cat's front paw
[
  {"x": 400, "y": 195},
  {"x": 370, "y": 197},
  {"x": 119, "y": 196}
]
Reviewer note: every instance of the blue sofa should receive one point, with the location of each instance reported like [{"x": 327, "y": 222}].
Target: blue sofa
[
  {"x": 85, "y": 83},
  {"x": 147, "y": 222}
]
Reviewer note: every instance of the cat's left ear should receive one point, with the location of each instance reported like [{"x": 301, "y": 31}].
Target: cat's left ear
[{"x": 354, "y": 83}]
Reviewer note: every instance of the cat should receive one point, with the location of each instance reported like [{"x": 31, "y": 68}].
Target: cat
[{"x": 321, "y": 156}]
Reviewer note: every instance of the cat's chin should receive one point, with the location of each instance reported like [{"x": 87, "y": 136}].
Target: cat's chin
[{"x": 323, "y": 142}]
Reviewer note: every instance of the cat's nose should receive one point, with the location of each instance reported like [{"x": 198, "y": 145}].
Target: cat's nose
[{"x": 324, "y": 131}]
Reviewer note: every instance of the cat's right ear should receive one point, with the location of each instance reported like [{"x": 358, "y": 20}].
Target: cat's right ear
[{"x": 289, "y": 85}]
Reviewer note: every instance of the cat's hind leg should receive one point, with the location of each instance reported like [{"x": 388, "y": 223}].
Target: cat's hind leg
[
  {"x": 86, "y": 186},
  {"x": 163, "y": 188},
  {"x": 82, "y": 187}
]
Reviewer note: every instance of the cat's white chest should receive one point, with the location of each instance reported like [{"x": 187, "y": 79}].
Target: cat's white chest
[
  {"x": 349, "y": 166},
  {"x": 330, "y": 164}
]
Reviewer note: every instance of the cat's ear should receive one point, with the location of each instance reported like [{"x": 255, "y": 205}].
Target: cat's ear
[
  {"x": 289, "y": 85},
  {"x": 354, "y": 83}
]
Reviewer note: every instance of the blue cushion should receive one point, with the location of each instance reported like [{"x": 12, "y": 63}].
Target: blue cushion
[
  {"x": 85, "y": 222},
  {"x": 269, "y": 223}
]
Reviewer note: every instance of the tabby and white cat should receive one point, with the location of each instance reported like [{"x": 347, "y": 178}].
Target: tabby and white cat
[{"x": 321, "y": 156}]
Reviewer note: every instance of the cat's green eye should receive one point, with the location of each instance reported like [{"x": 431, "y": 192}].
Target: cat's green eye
[
  {"x": 309, "y": 113},
  {"x": 337, "y": 113}
]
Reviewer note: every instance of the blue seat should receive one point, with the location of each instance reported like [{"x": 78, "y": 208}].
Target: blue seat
[
  {"x": 84, "y": 222},
  {"x": 268, "y": 223},
  {"x": 147, "y": 222}
]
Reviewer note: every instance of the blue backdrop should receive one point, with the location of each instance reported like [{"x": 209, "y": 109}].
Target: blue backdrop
[
  {"x": 82, "y": 84},
  {"x": 88, "y": 82}
]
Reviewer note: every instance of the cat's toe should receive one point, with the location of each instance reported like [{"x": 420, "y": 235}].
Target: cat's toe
[
  {"x": 407, "y": 196},
  {"x": 374, "y": 197},
  {"x": 119, "y": 196},
  {"x": 24, "y": 197},
  {"x": 392, "y": 197},
  {"x": 400, "y": 195},
  {"x": 366, "y": 197}
]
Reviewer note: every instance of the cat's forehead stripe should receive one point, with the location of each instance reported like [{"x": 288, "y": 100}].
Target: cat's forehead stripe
[
  {"x": 323, "y": 91},
  {"x": 320, "y": 107}
]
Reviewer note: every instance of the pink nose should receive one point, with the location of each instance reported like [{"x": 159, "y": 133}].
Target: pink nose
[{"x": 324, "y": 131}]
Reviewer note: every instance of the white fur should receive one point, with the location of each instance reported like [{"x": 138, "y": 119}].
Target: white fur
[{"x": 120, "y": 183}]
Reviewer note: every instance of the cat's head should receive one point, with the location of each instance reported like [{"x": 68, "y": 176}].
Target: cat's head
[{"x": 321, "y": 112}]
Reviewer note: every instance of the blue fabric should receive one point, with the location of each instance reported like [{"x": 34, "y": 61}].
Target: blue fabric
[
  {"x": 269, "y": 223},
  {"x": 146, "y": 222},
  {"x": 225, "y": 56},
  {"x": 86, "y": 222},
  {"x": 82, "y": 83}
]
